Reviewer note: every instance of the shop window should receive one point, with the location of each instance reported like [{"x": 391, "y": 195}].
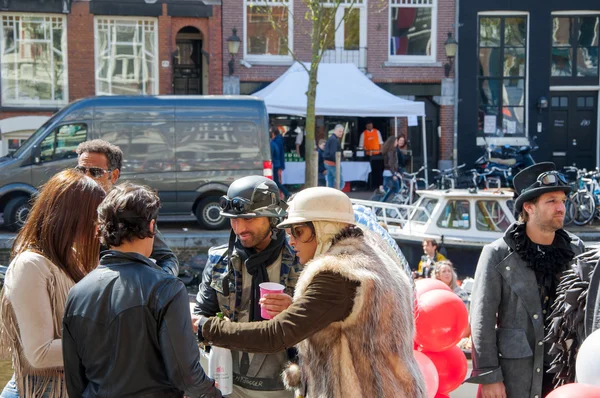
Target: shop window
[
  {"x": 126, "y": 56},
  {"x": 490, "y": 216},
  {"x": 62, "y": 143},
  {"x": 413, "y": 30},
  {"x": 575, "y": 48},
  {"x": 264, "y": 41},
  {"x": 33, "y": 50},
  {"x": 455, "y": 215},
  {"x": 502, "y": 75},
  {"x": 424, "y": 210}
]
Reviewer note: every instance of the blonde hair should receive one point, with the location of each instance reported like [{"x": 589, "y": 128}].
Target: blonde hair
[{"x": 437, "y": 270}]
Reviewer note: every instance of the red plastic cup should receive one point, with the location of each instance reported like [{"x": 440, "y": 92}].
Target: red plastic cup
[{"x": 268, "y": 288}]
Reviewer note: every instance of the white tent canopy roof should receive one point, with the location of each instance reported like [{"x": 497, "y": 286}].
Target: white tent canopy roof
[{"x": 342, "y": 90}]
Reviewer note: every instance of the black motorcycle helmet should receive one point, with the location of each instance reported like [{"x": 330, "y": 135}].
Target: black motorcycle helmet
[{"x": 252, "y": 197}]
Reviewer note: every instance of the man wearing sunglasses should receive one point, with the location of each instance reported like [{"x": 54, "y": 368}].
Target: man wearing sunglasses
[
  {"x": 102, "y": 161},
  {"x": 257, "y": 252},
  {"x": 515, "y": 286}
]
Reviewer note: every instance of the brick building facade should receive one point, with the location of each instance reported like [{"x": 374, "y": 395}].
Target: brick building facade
[{"x": 165, "y": 47}]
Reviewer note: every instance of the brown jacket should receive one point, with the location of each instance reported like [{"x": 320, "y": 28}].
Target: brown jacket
[{"x": 352, "y": 317}]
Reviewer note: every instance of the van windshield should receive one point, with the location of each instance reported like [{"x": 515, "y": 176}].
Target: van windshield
[{"x": 25, "y": 146}]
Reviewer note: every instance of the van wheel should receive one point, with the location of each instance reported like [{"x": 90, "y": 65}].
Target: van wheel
[
  {"x": 16, "y": 212},
  {"x": 208, "y": 214}
]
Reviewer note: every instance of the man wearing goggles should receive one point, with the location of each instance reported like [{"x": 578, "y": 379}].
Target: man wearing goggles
[
  {"x": 257, "y": 252},
  {"x": 102, "y": 161},
  {"x": 515, "y": 287}
]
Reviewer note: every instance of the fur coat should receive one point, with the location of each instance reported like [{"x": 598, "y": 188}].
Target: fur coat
[{"x": 370, "y": 353}]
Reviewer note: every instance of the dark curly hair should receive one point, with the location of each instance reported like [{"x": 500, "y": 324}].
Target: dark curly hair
[
  {"x": 126, "y": 213},
  {"x": 113, "y": 153}
]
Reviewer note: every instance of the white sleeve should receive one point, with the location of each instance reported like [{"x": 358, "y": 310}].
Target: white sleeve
[
  {"x": 380, "y": 139},
  {"x": 361, "y": 143},
  {"x": 299, "y": 137}
]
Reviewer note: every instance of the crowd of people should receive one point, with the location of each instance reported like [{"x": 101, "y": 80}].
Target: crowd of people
[{"x": 92, "y": 306}]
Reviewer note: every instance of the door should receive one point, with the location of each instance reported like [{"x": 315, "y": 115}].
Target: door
[
  {"x": 187, "y": 68},
  {"x": 57, "y": 152},
  {"x": 573, "y": 128}
]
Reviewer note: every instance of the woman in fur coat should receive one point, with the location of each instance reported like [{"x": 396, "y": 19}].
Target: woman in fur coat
[{"x": 352, "y": 312}]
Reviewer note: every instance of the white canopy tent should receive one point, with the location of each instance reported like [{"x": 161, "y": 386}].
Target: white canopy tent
[{"x": 342, "y": 90}]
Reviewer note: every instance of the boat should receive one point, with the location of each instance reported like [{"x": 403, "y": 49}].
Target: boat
[{"x": 461, "y": 221}]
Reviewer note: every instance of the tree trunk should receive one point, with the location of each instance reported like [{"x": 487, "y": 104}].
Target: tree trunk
[{"x": 311, "y": 96}]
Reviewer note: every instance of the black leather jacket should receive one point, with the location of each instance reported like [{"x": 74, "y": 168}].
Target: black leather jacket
[
  {"x": 127, "y": 332},
  {"x": 164, "y": 256}
]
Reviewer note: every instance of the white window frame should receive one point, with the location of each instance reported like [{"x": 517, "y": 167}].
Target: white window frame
[
  {"x": 267, "y": 58},
  {"x": 411, "y": 59},
  {"x": 40, "y": 103},
  {"x": 116, "y": 19},
  {"x": 361, "y": 6},
  {"x": 516, "y": 141}
]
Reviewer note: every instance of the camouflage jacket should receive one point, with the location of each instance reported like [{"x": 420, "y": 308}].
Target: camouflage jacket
[{"x": 212, "y": 297}]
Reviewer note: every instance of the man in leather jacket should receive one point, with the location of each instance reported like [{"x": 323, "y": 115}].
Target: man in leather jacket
[
  {"x": 257, "y": 252},
  {"x": 102, "y": 161},
  {"x": 127, "y": 329}
]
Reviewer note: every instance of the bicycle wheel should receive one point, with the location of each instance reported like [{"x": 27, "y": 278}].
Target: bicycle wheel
[
  {"x": 570, "y": 210},
  {"x": 585, "y": 206}
]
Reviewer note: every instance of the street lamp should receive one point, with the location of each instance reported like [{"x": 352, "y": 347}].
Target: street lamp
[
  {"x": 451, "y": 45},
  {"x": 233, "y": 45}
]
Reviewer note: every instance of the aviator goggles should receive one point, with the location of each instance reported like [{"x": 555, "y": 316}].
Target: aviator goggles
[
  {"x": 94, "y": 172},
  {"x": 549, "y": 179},
  {"x": 236, "y": 205}
]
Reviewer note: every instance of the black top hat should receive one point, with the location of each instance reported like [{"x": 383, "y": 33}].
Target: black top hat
[{"x": 527, "y": 186}]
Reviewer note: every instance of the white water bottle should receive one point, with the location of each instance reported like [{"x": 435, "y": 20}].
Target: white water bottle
[{"x": 220, "y": 367}]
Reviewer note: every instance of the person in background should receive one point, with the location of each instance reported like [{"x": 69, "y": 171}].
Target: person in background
[
  {"x": 322, "y": 170},
  {"x": 516, "y": 282},
  {"x": 347, "y": 346},
  {"x": 444, "y": 271},
  {"x": 257, "y": 252},
  {"x": 278, "y": 158},
  {"x": 127, "y": 329},
  {"x": 370, "y": 140},
  {"x": 102, "y": 161},
  {"x": 390, "y": 167},
  {"x": 403, "y": 155},
  {"x": 55, "y": 249},
  {"x": 429, "y": 258},
  {"x": 333, "y": 146},
  {"x": 299, "y": 138}
]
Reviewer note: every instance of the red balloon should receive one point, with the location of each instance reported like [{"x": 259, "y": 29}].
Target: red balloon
[
  {"x": 441, "y": 320},
  {"x": 451, "y": 366},
  {"x": 430, "y": 373},
  {"x": 440, "y": 395},
  {"x": 578, "y": 390},
  {"x": 423, "y": 286}
]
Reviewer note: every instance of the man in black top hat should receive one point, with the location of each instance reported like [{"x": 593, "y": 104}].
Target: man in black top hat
[{"x": 515, "y": 286}]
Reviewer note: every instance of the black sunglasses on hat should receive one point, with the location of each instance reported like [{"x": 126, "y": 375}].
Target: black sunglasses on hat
[{"x": 548, "y": 179}]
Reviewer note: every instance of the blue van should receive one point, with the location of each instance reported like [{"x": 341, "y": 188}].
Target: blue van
[{"x": 188, "y": 148}]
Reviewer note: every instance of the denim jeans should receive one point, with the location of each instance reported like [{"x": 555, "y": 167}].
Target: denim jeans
[
  {"x": 11, "y": 390},
  {"x": 331, "y": 176},
  {"x": 281, "y": 187},
  {"x": 393, "y": 187}
]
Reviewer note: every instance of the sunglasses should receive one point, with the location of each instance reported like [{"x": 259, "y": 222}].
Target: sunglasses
[
  {"x": 548, "y": 179},
  {"x": 94, "y": 172},
  {"x": 237, "y": 205},
  {"x": 296, "y": 230}
]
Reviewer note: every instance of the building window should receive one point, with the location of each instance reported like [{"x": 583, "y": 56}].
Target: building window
[
  {"x": 347, "y": 35},
  {"x": 264, "y": 41},
  {"x": 126, "y": 56},
  {"x": 34, "y": 60},
  {"x": 575, "y": 49},
  {"x": 502, "y": 75},
  {"x": 413, "y": 30}
]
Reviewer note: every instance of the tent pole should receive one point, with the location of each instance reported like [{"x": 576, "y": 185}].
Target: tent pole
[
  {"x": 425, "y": 150},
  {"x": 396, "y": 126}
]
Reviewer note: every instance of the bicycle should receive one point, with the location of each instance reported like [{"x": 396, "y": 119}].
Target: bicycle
[
  {"x": 409, "y": 186},
  {"x": 446, "y": 179},
  {"x": 581, "y": 204}
]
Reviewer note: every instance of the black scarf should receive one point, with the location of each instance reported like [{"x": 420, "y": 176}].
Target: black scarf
[
  {"x": 256, "y": 264},
  {"x": 547, "y": 261}
]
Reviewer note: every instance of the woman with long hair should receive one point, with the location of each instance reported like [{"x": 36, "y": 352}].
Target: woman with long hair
[
  {"x": 55, "y": 249},
  {"x": 444, "y": 271},
  {"x": 390, "y": 167},
  {"x": 402, "y": 151}
]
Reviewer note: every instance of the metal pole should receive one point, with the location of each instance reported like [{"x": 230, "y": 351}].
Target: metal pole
[
  {"x": 456, "y": 100},
  {"x": 338, "y": 169},
  {"x": 425, "y": 151},
  {"x": 396, "y": 126}
]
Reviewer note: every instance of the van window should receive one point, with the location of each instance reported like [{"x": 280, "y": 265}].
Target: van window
[
  {"x": 62, "y": 142},
  {"x": 147, "y": 147},
  {"x": 200, "y": 144}
]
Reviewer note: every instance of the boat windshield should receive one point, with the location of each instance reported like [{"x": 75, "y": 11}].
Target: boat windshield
[{"x": 424, "y": 209}]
